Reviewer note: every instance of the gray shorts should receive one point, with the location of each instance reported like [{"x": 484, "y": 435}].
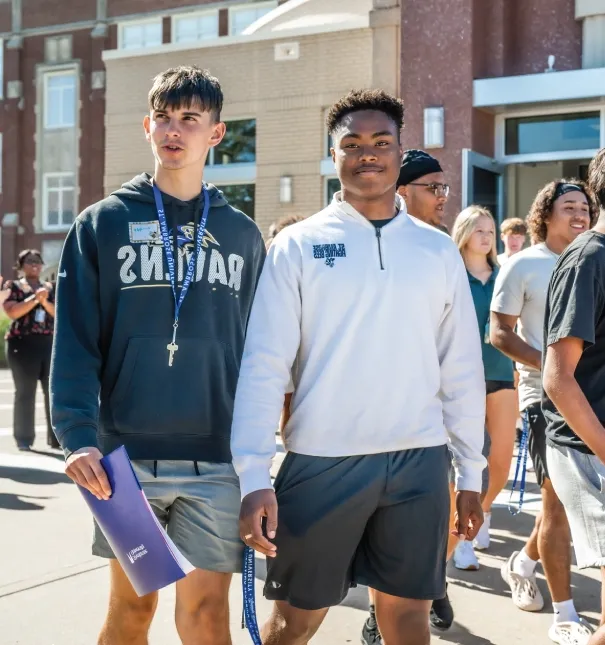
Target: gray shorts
[
  {"x": 199, "y": 512},
  {"x": 579, "y": 481}
]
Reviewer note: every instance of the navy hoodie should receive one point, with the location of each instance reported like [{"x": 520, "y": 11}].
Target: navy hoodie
[{"x": 110, "y": 381}]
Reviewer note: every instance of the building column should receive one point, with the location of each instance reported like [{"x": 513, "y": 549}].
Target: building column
[
  {"x": 385, "y": 22},
  {"x": 592, "y": 15}
]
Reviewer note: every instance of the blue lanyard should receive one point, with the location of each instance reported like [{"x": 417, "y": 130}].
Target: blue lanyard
[
  {"x": 199, "y": 237},
  {"x": 521, "y": 457},
  {"x": 248, "y": 576}
]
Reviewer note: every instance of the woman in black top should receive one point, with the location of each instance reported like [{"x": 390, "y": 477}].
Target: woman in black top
[{"x": 30, "y": 306}]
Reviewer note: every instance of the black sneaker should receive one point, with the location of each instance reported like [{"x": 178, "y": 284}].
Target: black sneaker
[
  {"x": 370, "y": 634},
  {"x": 442, "y": 613}
]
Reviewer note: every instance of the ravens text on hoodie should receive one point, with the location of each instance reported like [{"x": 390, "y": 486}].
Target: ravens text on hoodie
[
  {"x": 110, "y": 380},
  {"x": 378, "y": 328}
]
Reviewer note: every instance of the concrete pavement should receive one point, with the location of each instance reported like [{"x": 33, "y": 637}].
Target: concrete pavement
[{"x": 53, "y": 592}]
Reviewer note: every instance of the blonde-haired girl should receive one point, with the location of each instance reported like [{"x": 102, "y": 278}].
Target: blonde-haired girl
[{"x": 475, "y": 235}]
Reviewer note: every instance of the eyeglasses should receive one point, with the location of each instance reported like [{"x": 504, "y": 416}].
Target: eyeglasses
[{"x": 439, "y": 190}]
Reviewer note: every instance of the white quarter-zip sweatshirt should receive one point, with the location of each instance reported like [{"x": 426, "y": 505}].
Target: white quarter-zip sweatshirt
[{"x": 378, "y": 330}]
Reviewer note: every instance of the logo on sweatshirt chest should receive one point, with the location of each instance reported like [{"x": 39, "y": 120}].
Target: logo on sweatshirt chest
[
  {"x": 329, "y": 253},
  {"x": 143, "y": 261}
]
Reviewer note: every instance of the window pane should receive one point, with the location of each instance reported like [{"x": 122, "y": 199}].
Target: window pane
[
  {"x": 67, "y": 181},
  {"x": 153, "y": 34},
  {"x": 192, "y": 28},
  {"x": 239, "y": 144},
  {"x": 53, "y": 182},
  {"x": 241, "y": 196},
  {"x": 53, "y": 208},
  {"x": 132, "y": 36},
  {"x": 186, "y": 30},
  {"x": 67, "y": 214},
  {"x": 60, "y": 108},
  {"x": 333, "y": 186},
  {"x": 242, "y": 18},
  {"x": 553, "y": 133}
]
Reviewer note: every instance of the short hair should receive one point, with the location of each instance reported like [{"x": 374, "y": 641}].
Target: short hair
[
  {"x": 281, "y": 224},
  {"x": 513, "y": 226},
  {"x": 596, "y": 177},
  {"x": 23, "y": 255},
  {"x": 358, "y": 100},
  {"x": 464, "y": 227},
  {"x": 541, "y": 209},
  {"x": 184, "y": 86}
]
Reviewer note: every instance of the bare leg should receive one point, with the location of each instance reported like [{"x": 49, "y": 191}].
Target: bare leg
[
  {"x": 403, "y": 621},
  {"x": 500, "y": 416},
  {"x": 202, "y": 608},
  {"x": 129, "y": 617},
  {"x": 290, "y": 626},
  {"x": 554, "y": 544},
  {"x": 531, "y": 546}
]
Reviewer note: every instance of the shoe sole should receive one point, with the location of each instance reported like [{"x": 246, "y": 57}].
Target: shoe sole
[{"x": 472, "y": 567}]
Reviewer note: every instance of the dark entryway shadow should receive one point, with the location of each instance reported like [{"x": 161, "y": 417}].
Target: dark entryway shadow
[
  {"x": 49, "y": 453},
  {"x": 461, "y": 635}
]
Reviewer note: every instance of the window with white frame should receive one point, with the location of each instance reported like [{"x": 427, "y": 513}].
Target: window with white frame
[
  {"x": 59, "y": 200},
  {"x": 60, "y": 99},
  {"x": 241, "y": 196},
  {"x": 332, "y": 187},
  {"x": 242, "y": 17},
  {"x": 138, "y": 35},
  {"x": 195, "y": 27}
]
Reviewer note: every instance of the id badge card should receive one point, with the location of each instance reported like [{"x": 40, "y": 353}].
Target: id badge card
[{"x": 40, "y": 315}]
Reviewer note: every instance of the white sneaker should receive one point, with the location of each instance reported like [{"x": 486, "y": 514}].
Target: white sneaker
[
  {"x": 464, "y": 557},
  {"x": 526, "y": 595},
  {"x": 481, "y": 542},
  {"x": 570, "y": 633}
]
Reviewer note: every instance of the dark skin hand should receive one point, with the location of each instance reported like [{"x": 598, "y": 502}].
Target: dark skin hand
[
  {"x": 255, "y": 507},
  {"x": 469, "y": 515}
]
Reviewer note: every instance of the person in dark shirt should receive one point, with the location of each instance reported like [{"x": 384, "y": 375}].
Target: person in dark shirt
[
  {"x": 573, "y": 398},
  {"x": 30, "y": 305},
  {"x": 132, "y": 367}
]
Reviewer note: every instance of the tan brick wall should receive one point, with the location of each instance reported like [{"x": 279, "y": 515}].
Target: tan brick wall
[{"x": 288, "y": 100}]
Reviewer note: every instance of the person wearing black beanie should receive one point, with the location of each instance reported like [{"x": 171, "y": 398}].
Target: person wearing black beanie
[{"x": 422, "y": 184}]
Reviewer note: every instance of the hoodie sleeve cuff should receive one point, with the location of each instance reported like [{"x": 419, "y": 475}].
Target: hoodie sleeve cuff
[
  {"x": 78, "y": 437},
  {"x": 254, "y": 479}
]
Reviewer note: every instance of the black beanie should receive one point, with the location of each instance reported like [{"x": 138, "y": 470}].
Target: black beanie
[{"x": 416, "y": 164}]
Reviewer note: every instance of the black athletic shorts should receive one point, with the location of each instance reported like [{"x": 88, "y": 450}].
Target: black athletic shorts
[
  {"x": 492, "y": 387},
  {"x": 378, "y": 520},
  {"x": 537, "y": 440}
]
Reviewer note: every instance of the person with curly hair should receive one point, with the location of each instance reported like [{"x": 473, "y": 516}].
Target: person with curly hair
[
  {"x": 562, "y": 210},
  {"x": 30, "y": 304},
  {"x": 387, "y": 368},
  {"x": 573, "y": 404}
]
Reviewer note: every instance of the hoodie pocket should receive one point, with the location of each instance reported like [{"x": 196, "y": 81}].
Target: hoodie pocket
[{"x": 193, "y": 397}]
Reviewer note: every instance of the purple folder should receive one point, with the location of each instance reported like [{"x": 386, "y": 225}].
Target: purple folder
[{"x": 148, "y": 556}]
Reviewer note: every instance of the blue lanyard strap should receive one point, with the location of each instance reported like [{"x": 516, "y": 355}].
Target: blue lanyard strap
[
  {"x": 248, "y": 576},
  {"x": 521, "y": 459},
  {"x": 199, "y": 237}
]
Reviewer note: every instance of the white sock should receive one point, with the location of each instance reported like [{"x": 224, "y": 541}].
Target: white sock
[
  {"x": 523, "y": 565},
  {"x": 565, "y": 612}
]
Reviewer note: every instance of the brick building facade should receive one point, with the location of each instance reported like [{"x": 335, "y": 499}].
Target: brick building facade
[
  {"x": 518, "y": 85},
  {"x": 52, "y": 94}
]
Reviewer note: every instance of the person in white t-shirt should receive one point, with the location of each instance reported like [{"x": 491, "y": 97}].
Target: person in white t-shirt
[{"x": 561, "y": 211}]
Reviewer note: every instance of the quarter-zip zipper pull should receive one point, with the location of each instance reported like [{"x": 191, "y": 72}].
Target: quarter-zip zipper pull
[{"x": 378, "y": 239}]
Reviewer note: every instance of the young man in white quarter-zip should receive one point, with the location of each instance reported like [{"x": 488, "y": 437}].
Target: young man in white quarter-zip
[{"x": 377, "y": 319}]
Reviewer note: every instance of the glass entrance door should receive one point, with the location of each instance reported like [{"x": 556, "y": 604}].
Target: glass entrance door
[{"x": 483, "y": 183}]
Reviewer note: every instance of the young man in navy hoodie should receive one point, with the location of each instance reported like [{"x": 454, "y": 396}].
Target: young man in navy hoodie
[{"x": 131, "y": 367}]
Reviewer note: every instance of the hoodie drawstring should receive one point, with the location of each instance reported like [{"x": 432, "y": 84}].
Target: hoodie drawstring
[
  {"x": 155, "y": 469},
  {"x": 197, "y": 470}
]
